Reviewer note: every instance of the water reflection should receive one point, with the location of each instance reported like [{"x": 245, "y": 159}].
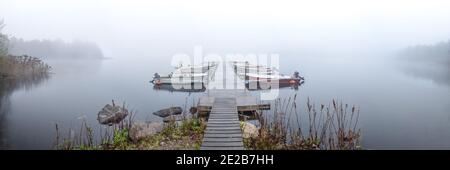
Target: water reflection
[
  {"x": 70, "y": 66},
  {"x": 439, "y": 73},
  {"x": 171, "y": 88},
  {"x": 431, "y": 62},
  {"x": 7, "y": 87},
  {"x": 251, "y": 87},
  {"x": 267, "y": 86},
  {"x": 4, "y": 109}
]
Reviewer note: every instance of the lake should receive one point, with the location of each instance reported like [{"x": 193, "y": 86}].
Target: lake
[{"x": 399, "y": 108}]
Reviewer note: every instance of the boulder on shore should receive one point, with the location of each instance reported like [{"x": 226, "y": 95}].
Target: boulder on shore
[
  {"x": 249, "y": 130},
  {"x": 168, "y": 112},
  {"x": 111, "y": 114},
  {"x": 140, "y": 130}
]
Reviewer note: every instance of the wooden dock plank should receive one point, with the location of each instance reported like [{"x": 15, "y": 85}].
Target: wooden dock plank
[
  {"x": 237, "y": 132},
  {"x": 224, "y": 116},
  {"x": 222, "y": 124},
  {"x": 223, "y": 119},
  {"x": 221, "y": 148},
  {"x": 222, "y": 139},
  {"x": 223, "y": 130},
  {"x": 222, "y": 135},
  {"x": 223, "y": 144},
  {"x": 212, "y": 124}
]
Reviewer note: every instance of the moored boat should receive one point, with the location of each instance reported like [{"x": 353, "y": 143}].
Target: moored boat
[
  {"x": 259, "y": 85},
  {"x": 180, "y": 78},
  {"x": 187, "y": 74},
  {"x": 197, "y": 68},
  {"x": 275, "y": 78}
]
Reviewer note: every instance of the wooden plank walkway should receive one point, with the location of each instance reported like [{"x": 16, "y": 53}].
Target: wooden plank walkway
[{"x": 223, "y": 130}]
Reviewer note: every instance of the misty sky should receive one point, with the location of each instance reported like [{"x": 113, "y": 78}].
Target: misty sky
[{"x": 132, "y": 24}]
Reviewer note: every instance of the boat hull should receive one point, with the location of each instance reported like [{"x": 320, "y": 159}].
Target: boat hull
[
  {"x": 283, "y": 81},
  {"x": 259, "y": 85},
  {"x": 180, "y": 80}
]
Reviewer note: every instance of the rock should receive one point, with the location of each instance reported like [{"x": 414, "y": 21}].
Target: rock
[
  {"x": 249, "y": 130},
  {"x": 111, "y": 114},
  {"x": 140, "y": 130},
  {"x": 168, "y": 112},
  {"x": 173, "y": 118}
]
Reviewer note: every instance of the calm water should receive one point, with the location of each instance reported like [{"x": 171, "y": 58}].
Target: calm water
[{"x": 400, "y": 108}]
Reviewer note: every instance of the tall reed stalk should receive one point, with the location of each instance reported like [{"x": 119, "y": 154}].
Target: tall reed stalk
[
  {"x": 85, "y": 139},
  {"x": 330, "y": 126}
]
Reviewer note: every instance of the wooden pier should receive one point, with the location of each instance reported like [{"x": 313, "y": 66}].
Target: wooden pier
[
  {"x": 223, "y": 130},
  {"x": 244, "y": 102},
  {"x": 221, "y": 107},
  {"x": 227, "y": 100}
]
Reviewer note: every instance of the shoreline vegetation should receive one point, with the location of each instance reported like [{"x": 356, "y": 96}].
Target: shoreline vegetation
[
  {"x": 186, "y": 135},
  {"x": 331, "y": 127},
  {"x": 12, "y": 67},
  {"x": 22, "y": 66},
  {"x": 325, "y": 127},
  {"x": 128, "y": 134},
  {"x": 16, "y": 71}
]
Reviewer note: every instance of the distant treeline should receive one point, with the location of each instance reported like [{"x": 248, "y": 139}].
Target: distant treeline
[
  {"x": 18, "y": 66},
  {"x": 437, "y": 53},
  {"x": 52, "y": 49},
  {"x": 428, "y": 61},
  {"x": 3, "y": 41}
]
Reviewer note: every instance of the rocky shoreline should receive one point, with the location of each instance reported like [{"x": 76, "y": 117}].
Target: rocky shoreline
[{"x": 182, "y": 129}]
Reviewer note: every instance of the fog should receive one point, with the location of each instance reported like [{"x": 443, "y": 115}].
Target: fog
[
  {"x": 137, "y": 27},
  {"x": 54, "y": 49},
  {"x": 347, "y": 50},
  {"x": 427, "y": 61}
]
